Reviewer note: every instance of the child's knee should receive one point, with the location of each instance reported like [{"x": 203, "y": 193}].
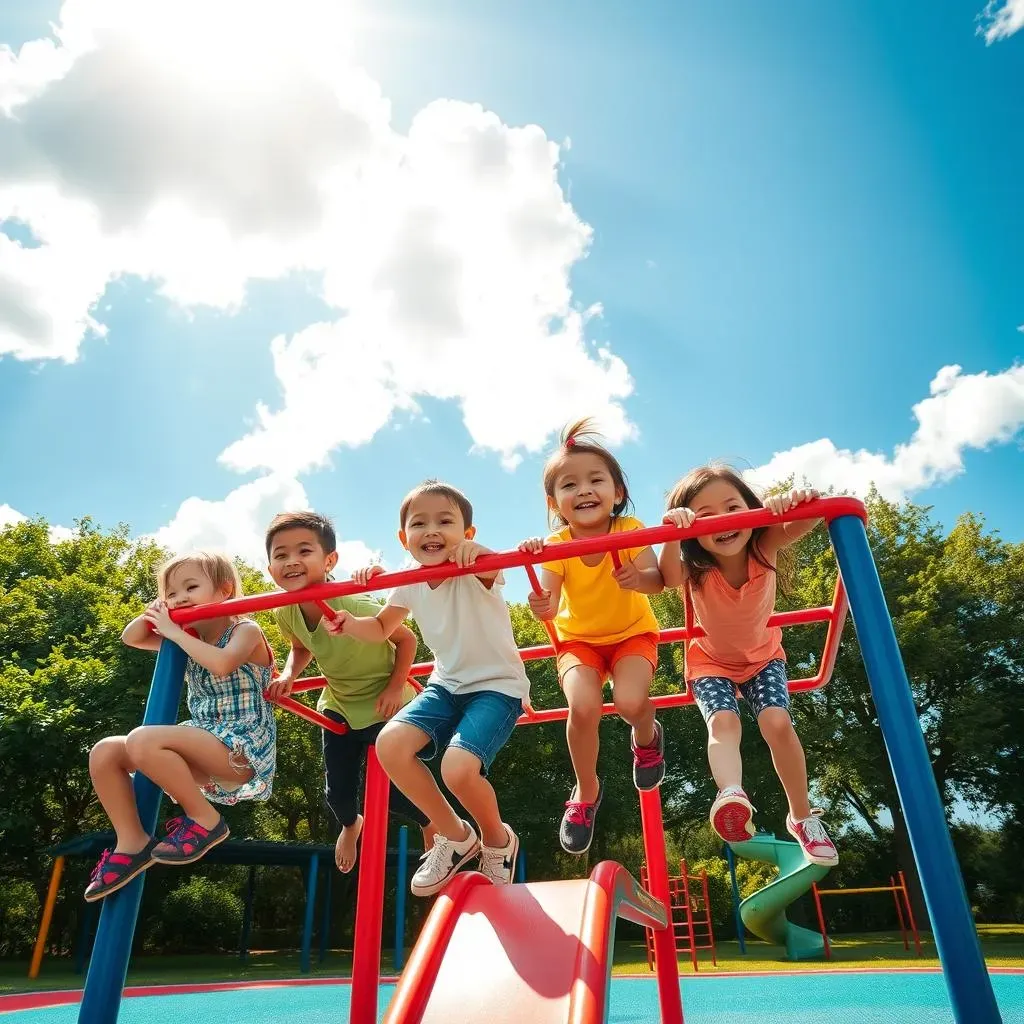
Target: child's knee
[
  {"x": 459, "y": 769},
  {"x": 138, "y": 745},
  {"x": 724, "y": 727},
  {"x": 109, "y": 753},
  {"x": 631, "y": 706},
  {"x": 776, "y": 726},
  {"x": 394, "y": 745}
]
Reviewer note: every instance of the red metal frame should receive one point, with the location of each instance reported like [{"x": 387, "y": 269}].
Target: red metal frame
[
  {"x": 366, "y": 955},
  {"x": 686, "y": 918},
  {"x": 898, "y": 890}
]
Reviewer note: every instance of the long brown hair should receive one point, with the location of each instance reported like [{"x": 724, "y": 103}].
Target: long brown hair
[
  {"x": 581, "y": 438},
  {"x": 699, "y": 562}
]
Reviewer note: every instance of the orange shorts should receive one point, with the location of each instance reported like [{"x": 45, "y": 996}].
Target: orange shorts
[{"x": 603, "y": 658}]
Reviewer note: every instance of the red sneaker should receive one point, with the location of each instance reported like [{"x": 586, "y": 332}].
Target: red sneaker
[
  {"x": 732, "y": 815},
  {"x": 813, "y": 839}
]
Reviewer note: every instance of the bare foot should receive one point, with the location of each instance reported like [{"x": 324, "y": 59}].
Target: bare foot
[{"x": 345, "y": 847}]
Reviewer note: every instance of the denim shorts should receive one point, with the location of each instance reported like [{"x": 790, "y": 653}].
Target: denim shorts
[
  {"x": 480, "y": 722},
  {"x": 768, "y": 689}
]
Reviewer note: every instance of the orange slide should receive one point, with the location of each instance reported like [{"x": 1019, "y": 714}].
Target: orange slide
[{"x": 537, "y": 953}]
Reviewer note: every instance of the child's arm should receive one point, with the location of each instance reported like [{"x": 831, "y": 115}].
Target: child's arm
[
  {"x": 670, "y": 562},
  {"x": 139, "y": 634},
  {"x": 545, "y": 604},
  {"x": 220, "y": 661},
  {"x": 371, "y": 629},
  {"x": 781, "y": 536},
  {"x": 294, "y": 665},
  {"x": 640, "y": 574},
  {"x": 390, "y": 699}
]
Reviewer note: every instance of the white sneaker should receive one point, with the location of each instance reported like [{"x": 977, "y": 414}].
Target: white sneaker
[
  {"x": 440, "y": 863},
  {"x": 498, "y": 863}
]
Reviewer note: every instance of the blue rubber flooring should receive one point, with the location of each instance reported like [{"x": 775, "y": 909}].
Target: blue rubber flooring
[{"x": 794, "y": 998}]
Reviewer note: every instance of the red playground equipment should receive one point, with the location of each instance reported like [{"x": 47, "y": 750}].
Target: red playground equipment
[
  {"x": 899, "y": 894},
  {"x": 542, "y": 953},
  {"x": 690, "y": 915}
]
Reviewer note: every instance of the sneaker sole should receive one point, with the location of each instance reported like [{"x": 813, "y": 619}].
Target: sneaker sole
[
  {"x": 120, "y": 884},
  {"x": 173, "y": 861},
  {"x": 433, "y": 890},
  {"x": 734, "y": 821}
]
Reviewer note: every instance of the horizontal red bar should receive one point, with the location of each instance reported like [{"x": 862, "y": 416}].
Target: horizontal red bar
[{"x": 824, "y": 508}]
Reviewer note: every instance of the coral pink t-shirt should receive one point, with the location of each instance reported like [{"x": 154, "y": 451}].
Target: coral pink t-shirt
[{"x": 739, "y": 641}]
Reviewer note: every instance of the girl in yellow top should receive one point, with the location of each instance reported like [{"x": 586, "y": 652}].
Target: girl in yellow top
[{"x": 603, "y": 621}]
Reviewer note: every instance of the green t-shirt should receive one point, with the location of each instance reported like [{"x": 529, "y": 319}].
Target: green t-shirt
[{"x": 356, "y": 672}]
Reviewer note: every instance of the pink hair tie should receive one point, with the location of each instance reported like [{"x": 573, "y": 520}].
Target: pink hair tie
[{"x": 570, "y": 442}]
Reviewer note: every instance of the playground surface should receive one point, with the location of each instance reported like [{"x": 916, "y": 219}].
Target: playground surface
[{"x": 804, "y": 997}]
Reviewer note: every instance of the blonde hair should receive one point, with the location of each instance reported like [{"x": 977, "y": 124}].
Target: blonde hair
[{"x": 217, "y": 568}]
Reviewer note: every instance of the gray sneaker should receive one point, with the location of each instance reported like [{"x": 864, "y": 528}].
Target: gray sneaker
[
  {"x": 649, "y": 762},
  {"x": 577, "y": 831}
]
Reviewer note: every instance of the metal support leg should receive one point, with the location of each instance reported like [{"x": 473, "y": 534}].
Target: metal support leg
[{"x": 970, "y": 988}]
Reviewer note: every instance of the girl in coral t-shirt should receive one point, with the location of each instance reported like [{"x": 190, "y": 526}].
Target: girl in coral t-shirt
[{"x": 731, "y": 578}]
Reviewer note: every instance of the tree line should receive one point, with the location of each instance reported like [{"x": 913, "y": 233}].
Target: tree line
[{"x": 957, "y": 603}]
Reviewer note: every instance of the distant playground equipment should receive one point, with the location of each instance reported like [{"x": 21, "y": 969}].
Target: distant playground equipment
[
  {"x": 764, "y": 912},
  {"x": 904, "y": 914},
  {"x": 542, "y": 952},
  {"x": 690, "y": 916}
]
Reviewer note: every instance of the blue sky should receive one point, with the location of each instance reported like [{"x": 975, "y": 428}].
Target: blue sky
[{"x": 801, "y": 213}]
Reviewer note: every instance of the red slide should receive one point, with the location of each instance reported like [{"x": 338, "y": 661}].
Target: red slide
[{"x": 536, "y": 953}]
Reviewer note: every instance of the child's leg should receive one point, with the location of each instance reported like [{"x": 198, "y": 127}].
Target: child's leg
[
  {"x": 487, "y": 721},
  {"x": 582, "y": 686},
  {"x": 424, "y": 719},
  {"x": 631, "y": 691},
  {"x": 169, "y": 754},
  {"x": 109, "y": 766},
  {"x": 788, "y": 757},
  {"x": 724, "y": 734},
  {"x": 344, "y": 753}
]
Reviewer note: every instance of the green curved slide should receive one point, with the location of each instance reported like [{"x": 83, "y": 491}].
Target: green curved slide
[{"x": 764, "y": 913}]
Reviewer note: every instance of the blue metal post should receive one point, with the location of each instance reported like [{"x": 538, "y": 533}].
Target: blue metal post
[
  {"x": 970, "y": 989},
  {"x": 250, "y": 892},
  {"x": 730, "y": 859},
  {"x": 325, "y": 920},
  {"x": 521, "y": 866},
  {"x": 87, "y": 917},
  {"x": 403, "y": 870},
  {"x": 307, "y": 924},
  {"x": 101, "y": 1000}
]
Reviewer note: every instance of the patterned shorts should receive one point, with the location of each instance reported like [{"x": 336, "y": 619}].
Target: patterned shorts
[{"x": 768, "y": 689}]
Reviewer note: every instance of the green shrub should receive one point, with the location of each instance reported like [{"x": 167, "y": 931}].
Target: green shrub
[
  {"x": 19, "y": 917},
  {"x": 198, "y": 916}
]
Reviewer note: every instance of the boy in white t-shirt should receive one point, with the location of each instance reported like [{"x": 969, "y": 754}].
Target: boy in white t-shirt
[{"x": 475, "y": 694}]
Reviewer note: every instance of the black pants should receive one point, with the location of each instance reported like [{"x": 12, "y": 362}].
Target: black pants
[{"x": 345, "y": 769}]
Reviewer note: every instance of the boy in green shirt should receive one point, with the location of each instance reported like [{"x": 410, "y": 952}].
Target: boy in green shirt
[{"x": 366, "y": 683}]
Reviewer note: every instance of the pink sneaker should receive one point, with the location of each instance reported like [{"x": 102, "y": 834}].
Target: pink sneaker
[
  {"x": 732, "y": 815},
  {"x": 813, "y": 839}
]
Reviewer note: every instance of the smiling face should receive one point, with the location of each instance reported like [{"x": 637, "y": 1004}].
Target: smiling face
[
  {"x": 297, "y": 559},
  {"x": 186, "y": 586},
  {"x": 584, "y": 493},
  {"x": 718, "y": 498},
  {"x": 433, "y": 527}
]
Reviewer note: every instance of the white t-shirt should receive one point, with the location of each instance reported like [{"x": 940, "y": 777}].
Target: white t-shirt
[{"x": 467, "y": 626}]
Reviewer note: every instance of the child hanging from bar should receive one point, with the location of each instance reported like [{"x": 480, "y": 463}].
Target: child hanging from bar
[
  {"x": 226, "y": 752},
  {"x": 731, "y": 578},
  {"x": 604, "y": 622},
  {"x": 366, "y": 683}
]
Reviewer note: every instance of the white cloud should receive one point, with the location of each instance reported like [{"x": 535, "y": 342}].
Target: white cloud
[
  {"x": 134, "y": 145},
  {"x": 1001, "y": 19},
  {"x": 963, "y": 412},
  {"x": 237, "y": 523},
  {"x": 11, "y": 516}
]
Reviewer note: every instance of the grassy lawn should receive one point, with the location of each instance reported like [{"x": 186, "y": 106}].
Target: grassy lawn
[{"x": 1003, "y": 946}]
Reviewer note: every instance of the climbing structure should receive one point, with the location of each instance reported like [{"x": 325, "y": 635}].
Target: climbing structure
[{"x": 953, "y": 927}]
